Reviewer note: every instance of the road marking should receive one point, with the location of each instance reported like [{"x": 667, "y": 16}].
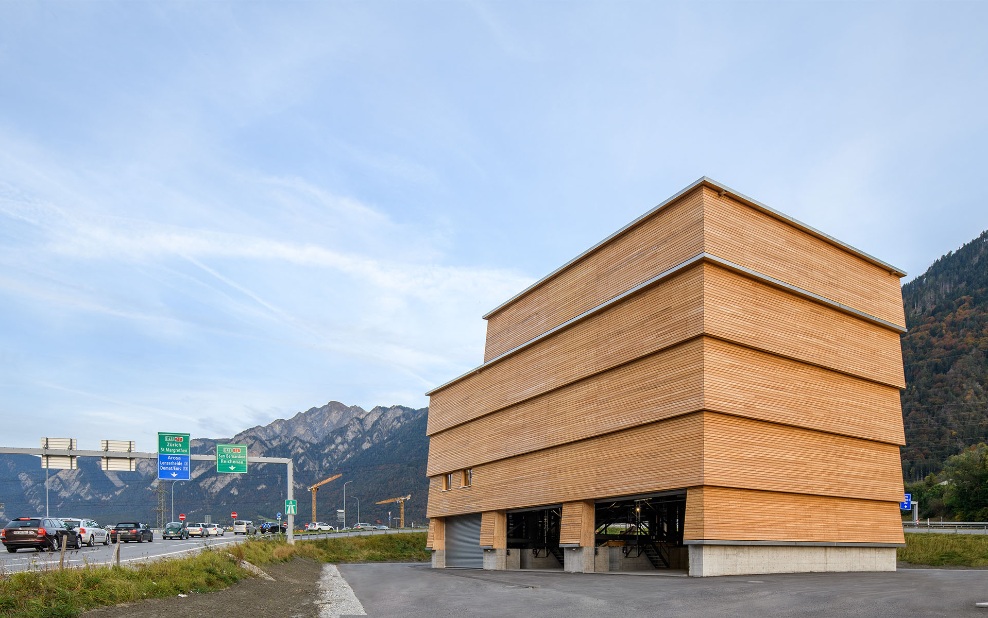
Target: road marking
[{"x": 336, "y": 597}]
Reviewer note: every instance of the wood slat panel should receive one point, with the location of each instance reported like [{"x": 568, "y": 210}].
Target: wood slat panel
[
  {"x": 751, "y": 454},
  {"x": 745, "y": 236},
  {"x": 660, "y": 386},
  {"x": 703, "y": 373},
  {"x": 745, "y": 311},
  {"x": 494, "y": 529},
  {"x": 717, "y": 513},
  {"x": 666, "y": 455},
  {"x": 670, "y": 237},
  {"x": 668, "y": 313},
  {"x": 577, "y": 524},
  {"x": 753, "y": 384},
  {"x": 436, "y": 537},
  {"x": 685, "y": 451}
]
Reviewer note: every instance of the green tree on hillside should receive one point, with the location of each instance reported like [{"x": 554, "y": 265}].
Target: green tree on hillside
[{"x": 966, "y": 494}]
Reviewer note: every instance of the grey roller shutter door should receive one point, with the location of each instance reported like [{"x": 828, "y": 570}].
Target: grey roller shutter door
[{"x": 463, "y": 542}]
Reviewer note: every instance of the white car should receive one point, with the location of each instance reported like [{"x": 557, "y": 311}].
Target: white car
[
  {"x": 88, "y": 531},
  {"x": 199, "y": 530},
  {"x": 214, "y": 530}
]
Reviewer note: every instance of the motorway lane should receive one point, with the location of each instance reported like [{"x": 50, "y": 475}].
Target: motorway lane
[{"x": 27, "y": 559}]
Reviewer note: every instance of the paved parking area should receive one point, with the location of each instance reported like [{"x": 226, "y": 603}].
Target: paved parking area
[{"x": 417, "y": 590}]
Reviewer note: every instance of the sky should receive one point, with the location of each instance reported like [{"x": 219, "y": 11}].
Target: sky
[{"x": 217, "y": 214}]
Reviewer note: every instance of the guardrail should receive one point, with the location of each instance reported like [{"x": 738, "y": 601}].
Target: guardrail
[{"x": 946, "y": 526}]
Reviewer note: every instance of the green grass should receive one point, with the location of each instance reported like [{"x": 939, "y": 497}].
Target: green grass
[
  {"x": 934, "y": 549},
  {"x": 52, "y": 593}
]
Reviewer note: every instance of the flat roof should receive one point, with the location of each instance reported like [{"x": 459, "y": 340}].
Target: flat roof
[{"x": 725, "y": 190}]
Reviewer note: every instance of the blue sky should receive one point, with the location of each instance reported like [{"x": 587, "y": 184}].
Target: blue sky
[{"x": 214, "y": 215}]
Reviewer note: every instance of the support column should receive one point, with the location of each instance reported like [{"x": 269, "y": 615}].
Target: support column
[
  {"x": 494, "y": 539},
  {"x": 436, "y": 541},
  {"x": 576, "y": 536}
]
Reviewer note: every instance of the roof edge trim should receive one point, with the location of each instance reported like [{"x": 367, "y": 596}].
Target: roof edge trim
[{"x": 705, "y": 181}]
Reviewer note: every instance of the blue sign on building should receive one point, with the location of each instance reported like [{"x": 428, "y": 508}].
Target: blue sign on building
[{"x": 173, "y": 467}]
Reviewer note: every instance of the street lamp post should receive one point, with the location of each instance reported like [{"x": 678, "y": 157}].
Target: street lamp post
[
  {"x": 358, "y": 509},
  {"x": 344, "y": 502}
]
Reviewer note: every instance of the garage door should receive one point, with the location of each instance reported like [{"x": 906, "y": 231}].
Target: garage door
[{"x": 463, "y": 542}]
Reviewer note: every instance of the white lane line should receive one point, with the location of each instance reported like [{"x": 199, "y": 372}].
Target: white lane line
[{"x": 336, "y": 597}]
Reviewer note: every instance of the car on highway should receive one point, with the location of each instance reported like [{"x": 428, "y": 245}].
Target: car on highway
[
  {"x": 383, "y": 527},
  {"x": 38, "y": 533},
  {"x": 214, "y": 530},
  {"x": 320, "y": 526},
  {"x": 362, "y": 526},
  {"x": 244, "y": 526},
  {"x": 175, "y": 530},
  {"x": 273, "y": 527},
  {"x": 198, "y": 530},
  {"x": 88, "y": 531},
  {"x": 128, "y": 531}
]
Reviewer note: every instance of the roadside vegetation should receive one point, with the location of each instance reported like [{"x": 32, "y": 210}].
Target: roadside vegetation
[
  {"x": 54, "y": 593},
  {"x": 950, "y": 550}
]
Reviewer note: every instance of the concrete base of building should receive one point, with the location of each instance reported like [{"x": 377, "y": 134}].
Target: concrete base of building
[
  {"x": 578, "y": 559},
  {"x": 439, "y": 558},
  {"x": 714, "y": 560},
  {"x": 495, "y": 559}
]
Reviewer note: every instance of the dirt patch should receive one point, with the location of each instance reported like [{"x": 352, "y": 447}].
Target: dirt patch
[{"x": 292, "y": 594}]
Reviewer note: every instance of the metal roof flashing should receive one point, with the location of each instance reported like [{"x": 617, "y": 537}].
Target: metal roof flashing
[{"x": 710, "y": 183}]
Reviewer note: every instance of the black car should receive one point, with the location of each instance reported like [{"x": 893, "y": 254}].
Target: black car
[
  {"x": 38, "y": 533},
  {"x": 273, "y": 527},
  {"x": 131, "y": 531}
]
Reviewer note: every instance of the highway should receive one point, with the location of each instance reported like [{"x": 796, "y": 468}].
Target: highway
[{"x": 100, "y": 555}]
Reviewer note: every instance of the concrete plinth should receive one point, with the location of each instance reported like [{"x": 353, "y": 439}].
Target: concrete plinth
[
  {"x": 439, "y": 558},
  {"x": 578, "y": 559},
  {"x": 495, "y": 559},
  {"x": 713, "y": 560}
]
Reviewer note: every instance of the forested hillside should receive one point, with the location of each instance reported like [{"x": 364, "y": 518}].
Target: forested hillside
[{"x": 945, "y": 353}]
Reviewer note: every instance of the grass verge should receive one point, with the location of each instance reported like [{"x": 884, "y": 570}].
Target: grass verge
[
  {"x": 52, "y": 593},
  {"x": 934, "y": 549}
]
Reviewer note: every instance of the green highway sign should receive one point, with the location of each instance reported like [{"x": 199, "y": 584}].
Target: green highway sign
[
  {"x": 231, "y": 458},
  {"x": 291, "y": 507},
  {"x": 173, "y": 443}
]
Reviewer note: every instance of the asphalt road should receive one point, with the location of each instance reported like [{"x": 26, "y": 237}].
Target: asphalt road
[{"x": 418, "y": 591}]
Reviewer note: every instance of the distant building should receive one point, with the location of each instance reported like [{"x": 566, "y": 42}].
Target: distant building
[{"x": 714, "y": 387}]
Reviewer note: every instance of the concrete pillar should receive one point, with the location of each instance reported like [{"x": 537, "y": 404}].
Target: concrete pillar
[
  {"x": 494, "y": 539},
  {"x": 495, "y": 559},
  {"x": 741, "y": 559},
  {"x": 439, "y": 558},
  {"x": 578, "y": 559}
]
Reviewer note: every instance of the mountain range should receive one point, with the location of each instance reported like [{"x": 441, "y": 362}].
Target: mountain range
[
  {"x": 380, "y": 454},
  {"x": 945, "y": 354}
]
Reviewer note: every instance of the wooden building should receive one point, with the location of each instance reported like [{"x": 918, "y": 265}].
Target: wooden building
[{"x": 714, "y": 387}]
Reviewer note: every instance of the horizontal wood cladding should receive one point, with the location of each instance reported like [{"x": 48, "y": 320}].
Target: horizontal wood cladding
[
  {"x": 659, "y": 386},
  {"x": 740, "y": 309},
  {"x": 668, "y": 313},
  {"x": 745, "y": 382},
  {"x": 670, "y": 237},
  {"x": 700, "y": 374},
  {"x": 739, "y": 233},
  {"x": 576, "y": 526},
  {"x": 719, "y": 513},
  {"x": 494, "y": 529},
  {"x": 704, "y": 298},
  {"x": 686, "y": 451},
  {"x": 656, "y": 457},
  {"x": 751, "y": 454},
  {"x": 436, "y": 537}
]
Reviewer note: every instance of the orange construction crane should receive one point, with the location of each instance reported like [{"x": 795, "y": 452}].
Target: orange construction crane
[
  {"x": 315, "y": 488},
  {"x": 401, "y": 507}
]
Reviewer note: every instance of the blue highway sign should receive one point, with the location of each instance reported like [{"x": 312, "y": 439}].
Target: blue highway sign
[
  {"x": 907, "y": 504},
  {"x": 173, "y": 467}
]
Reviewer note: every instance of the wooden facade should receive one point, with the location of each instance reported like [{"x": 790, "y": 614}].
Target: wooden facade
[{"x": 713, "y": 346}]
